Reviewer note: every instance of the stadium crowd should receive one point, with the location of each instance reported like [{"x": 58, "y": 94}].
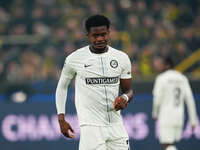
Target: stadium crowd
[{"x": 146, "y": 30}]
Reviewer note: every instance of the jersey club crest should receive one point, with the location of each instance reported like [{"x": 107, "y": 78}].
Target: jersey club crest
[{"x": 113, "y": 63}]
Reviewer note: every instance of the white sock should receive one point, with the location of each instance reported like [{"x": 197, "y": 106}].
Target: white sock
[{"x": 171, "y": 147}]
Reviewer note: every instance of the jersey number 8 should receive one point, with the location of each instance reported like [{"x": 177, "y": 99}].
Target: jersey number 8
[{"x": 177, "y": 96}]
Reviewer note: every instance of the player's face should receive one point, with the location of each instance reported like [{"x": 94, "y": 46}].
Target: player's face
[
  {"x": 98, "y": 37},
  {"x": 159, "y": 65}
]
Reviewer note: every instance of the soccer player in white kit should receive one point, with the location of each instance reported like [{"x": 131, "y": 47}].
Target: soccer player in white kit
[
  {"x": 99, "y": 71},
  {"x": 171, "y": 90}
]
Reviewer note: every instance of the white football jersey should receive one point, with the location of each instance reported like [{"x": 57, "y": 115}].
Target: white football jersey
[
  {"x": 97, "y": 80},
  {"x": 171, "y": 90}
]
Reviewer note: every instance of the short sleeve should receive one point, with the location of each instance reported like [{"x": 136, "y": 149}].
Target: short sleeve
[
  {"x": 126, "y": 68},
  {"x": 68, "y": 69}
]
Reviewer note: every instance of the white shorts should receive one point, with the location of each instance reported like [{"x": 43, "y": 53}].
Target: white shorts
[
  {"x": 103, "y": 138},
  {"x": 169, "y": 134}
]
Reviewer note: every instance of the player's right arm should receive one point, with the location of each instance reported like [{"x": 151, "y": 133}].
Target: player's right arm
[
  {"x": 157, "y": 96},
  {"x": 61, "y": 94}
]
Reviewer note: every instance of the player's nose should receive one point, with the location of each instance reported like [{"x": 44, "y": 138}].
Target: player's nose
[{"x": 100, "y": 39}]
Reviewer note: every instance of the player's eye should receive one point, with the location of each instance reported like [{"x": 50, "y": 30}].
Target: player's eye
[
  {"x": 95, "y": 35},
  {"x": 103, "y": 34}
]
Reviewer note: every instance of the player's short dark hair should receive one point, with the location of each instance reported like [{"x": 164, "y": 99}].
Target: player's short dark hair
[
  {"x": 169, "y": 61},
  {"x": 95, "y": 21}
]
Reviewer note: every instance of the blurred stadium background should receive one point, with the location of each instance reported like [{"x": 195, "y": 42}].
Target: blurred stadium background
[{"x": 37, "y": 35}]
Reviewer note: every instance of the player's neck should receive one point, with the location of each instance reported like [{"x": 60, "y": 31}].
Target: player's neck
[{"x": 99, "y": 50}]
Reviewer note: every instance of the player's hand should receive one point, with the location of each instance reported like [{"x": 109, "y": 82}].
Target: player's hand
[
  {"x": 193, "y": 128},
  {"x": 66, "y": 128},
  {"x": 155, "y": 118},
  {"x": 120, "y": 103}
]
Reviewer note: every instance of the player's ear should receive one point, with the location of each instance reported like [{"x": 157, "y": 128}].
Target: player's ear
[{"x": 87, "y": 34}]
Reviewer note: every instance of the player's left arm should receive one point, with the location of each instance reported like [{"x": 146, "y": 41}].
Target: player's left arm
[
  {"x": 125, "y": 84},
  {"x": 127, "y": 94},
  {"x": 190, "y": 103}
]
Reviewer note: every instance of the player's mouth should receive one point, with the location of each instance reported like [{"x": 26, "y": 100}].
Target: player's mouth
[{"x": 100, "y": 45}]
